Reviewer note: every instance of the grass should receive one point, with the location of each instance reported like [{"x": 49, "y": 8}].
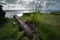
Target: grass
[
  {"x": 47, "y": 26},
  {"x": 8, "y": 31}
]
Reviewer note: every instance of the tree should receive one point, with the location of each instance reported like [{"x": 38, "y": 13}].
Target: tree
[{"x": 2, "y": 13}]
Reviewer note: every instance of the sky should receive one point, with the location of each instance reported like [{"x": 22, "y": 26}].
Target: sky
[
  {"x": 31, "y": 4},
  {"x": 17, "y": 4},
  {"x": 15, "y": 1}
]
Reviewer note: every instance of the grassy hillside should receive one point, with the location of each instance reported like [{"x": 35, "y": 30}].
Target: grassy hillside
[
  {"x": 8, "y": 31},
  {"x": 47, "y": 26}
]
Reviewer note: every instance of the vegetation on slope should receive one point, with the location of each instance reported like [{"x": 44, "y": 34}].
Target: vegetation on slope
[
  {"x": 46, "y": 25},
  {"x": 8, "y": 31}
]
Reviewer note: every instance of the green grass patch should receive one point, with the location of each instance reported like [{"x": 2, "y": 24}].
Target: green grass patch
[
  {"x": 46, "y": 25},
  {"x": 8, "y": 31}
]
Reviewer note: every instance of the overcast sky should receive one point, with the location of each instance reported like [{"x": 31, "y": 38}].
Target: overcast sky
[
  {"x": 21, "y": 3},
  {"x": 30, "y": 3},
  {"x": 15, "y": 1}
]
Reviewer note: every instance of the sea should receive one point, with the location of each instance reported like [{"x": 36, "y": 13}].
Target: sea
[{"x": 19, "y": 13}]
